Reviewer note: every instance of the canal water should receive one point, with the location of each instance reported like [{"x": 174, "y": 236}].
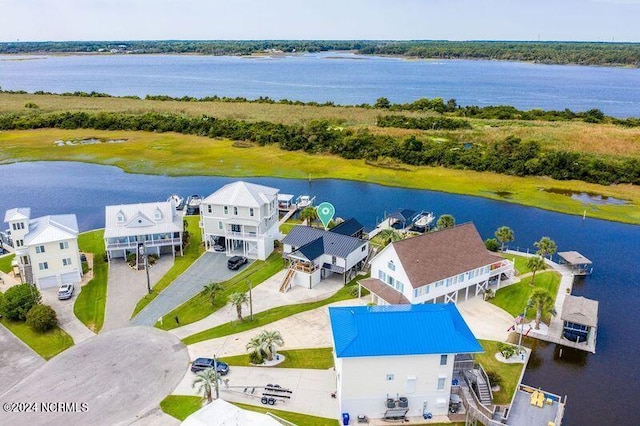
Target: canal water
[{"x": 601, "y": 388}]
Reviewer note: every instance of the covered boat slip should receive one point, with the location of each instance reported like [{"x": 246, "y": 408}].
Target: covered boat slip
[{"x": 578, "y": 264}]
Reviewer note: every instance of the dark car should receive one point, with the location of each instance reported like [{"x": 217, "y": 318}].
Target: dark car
[
  {"x": 219, "y": 244},
  {"x": 236, "y": 261},
  {"x": 203, "y": 363}
]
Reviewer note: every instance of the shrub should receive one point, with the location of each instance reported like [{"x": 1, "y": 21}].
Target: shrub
[
  {"x": 256, "y": 358},
  {"x": 494, "y": 378},
  {"x": 18, "y": 300},
  {"x": 507, "y": 350},
  {"x": 31, "y": 105},
  {"x": 492, "y": 244},
  {"x": 42, "y": 318},
  {"x": 131, "y": 259}
]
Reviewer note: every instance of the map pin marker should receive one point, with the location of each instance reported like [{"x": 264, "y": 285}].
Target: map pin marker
[{"x": 325, "y": 213}]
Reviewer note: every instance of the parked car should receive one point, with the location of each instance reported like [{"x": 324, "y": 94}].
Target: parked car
[
  {"x": 219, "y": 244},
  {"x": 203, "y": 363},
  {"x": 236, "y": 261},
  {"x": 65, "y": 291}
]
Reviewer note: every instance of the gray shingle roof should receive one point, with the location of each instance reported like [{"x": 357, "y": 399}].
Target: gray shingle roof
[{"x": 334, "y": 244}]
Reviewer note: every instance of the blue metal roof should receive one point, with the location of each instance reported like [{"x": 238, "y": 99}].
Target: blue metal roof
[
  {"x": 312, "y": 250},
  {"x": 360, "y": 331},
  {"x": 334, "y": 244},
  {"x": 348, "y": 227}
]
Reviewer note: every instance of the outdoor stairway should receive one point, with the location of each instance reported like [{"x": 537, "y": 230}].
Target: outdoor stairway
[
  {"x": 483, "y": 393},
  {"x": 286, "y": 281}
]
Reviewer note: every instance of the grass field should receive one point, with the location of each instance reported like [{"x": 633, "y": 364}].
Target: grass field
[
  {"x": 90, "y": 304},
  {"x": 267, "y": 317},
  {"x": 5, "y": 263},
  {"x": 199, "y": 306},
  {"x": 47, "y": 345},
  {"x": 513, "y": 298},
  {"x": 180, "y": 264},
  {"x": 510, "y": 373},
  {"x": 175, "y": 154},
  {"x": 318, "y": 359},
  {"x": 520, "y": 262}
]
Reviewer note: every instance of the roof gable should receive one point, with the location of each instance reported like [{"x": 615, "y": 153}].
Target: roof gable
[
  {"x": 333, "y": 244},
  {"x": 243, "y": 194},
  {"x": 140, "y": 220},
  {"x": 416, "y": 330},
  {"x": 142, "y": 217},
  {"x": 20, "y": 213},
  {"x": 48, "y": 229},
  {"x": 441, "y": 254}
]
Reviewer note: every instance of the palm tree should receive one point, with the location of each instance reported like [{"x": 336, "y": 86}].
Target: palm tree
[
  {"x": 206, "y": 381},
  {"x": 238, "y": 299},
  {"x": 255, "y": 344},
  {"x": 546, "y": 246},
  {"x": 211, "y": 290},
  {"x": 504, "y": 234},
  {"x": 445, "y": 221},
  {"x": 535, "y": 264},
  {"x": 542, "y": 301},
  {"x": 270, "y": 339},
  {"x": 389, "y": 235},
  {"x": 309, "y": 214}
]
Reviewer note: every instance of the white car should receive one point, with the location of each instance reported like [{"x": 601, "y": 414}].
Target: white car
[{"x": 65, "y": 291}]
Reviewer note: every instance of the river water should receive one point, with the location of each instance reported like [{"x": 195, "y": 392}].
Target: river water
[
  {"x": 600, "y": 388},
  {"x": 343, "y": 78}
]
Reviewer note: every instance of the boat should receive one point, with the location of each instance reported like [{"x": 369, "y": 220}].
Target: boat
[
  {"x": 304, "y": 201},
  {"x": 193, "y": 204},
  {"x": 177, "y": 200},
  {"x": 423, "y": 221}
]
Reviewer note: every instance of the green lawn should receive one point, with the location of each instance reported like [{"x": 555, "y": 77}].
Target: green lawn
[
  {"x": 513, "y": 298},
  {"x": 90, "y": 304},
  {"x": 47, "y": 345},
  {"x": 199, "y": 306},
  {"x": 520, "y": 262},
  {"x": 267, "y": 317},
  {"x": 286, "y": 227},
  {"x": 5, "y": 263},
  {"x": 295, "y": 418},
  {"x": 317, "y": 359},
  {"x": 510, "y": 373},
  {"x": 191, "y": 253},
  {"x": 181, "y": 406}
]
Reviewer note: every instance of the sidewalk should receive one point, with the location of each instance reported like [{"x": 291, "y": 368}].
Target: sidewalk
[{"x": 265, "y": 296}]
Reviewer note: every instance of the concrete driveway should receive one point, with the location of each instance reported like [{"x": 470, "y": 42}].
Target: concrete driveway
[
  {"x": 17, "y": 360},
  {"x": 311, "y": 388},
  {"x": 486, "y": 321},
  {"x": 126, "y": 287},
  {"x": 211, "y": 266},
  {"x": 66, "y": 318},
  {"x": 121, "y": 376}
]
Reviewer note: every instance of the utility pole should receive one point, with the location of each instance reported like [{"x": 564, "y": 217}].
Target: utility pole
[
  {"x": 215, "y": 376},
  {"x": 250, "y": 301},
  {"x": 143, "y": 252}
]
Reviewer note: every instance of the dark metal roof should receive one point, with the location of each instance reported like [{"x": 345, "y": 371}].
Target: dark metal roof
[
  {"x": 312, "y": 250},
  {"x": 403, "y": 215},
  {"x": 334, "y": 244},
  {"x": 348, "y": 227}
]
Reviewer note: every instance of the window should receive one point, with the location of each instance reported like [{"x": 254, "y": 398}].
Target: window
[
  {"x": 363, "y": 248},
  {"x": 43, "y": 266},
  {"x": 449, "y": 282},
  {"x": 251, "y": 212},
  {"x": 441, "y": 381},
  {"x": 157, "y": 215},
  {"x": 426, "y": 288},
  {"x": 460, "y": 278},
  {"x": 39, "y": 249},
  {"x": 443, "y": 360},
  {"x": 391, "y": 266},
  {"x": 417, "y": 292},
  {"x": 21, "y": 225},
  {"x": 440, "y": 283},
  {"x": 13, "y": 225},
  {"x": 66, "y": 262},
  {"x": 209, "y": 210},
  {"x": 235, "y": 211},
  {"x": 382, "y": 276},
  {"x": 19, "y": 243},
  {"x": 389, "y": 377},
  {"x": 334, "y": 260},
  {"x": 64, "y": 245},
  {"x": 219, "y": 224},
  {"x": 391, "y": 281},
  {"x": 120, "y": 217},
  {"x": 236, "y": 228},
  {"x": 226, "y": 210}
]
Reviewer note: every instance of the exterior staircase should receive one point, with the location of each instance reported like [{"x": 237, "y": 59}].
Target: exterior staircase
[
  {"x": 286, "y": 281},
  {"x": 483, "y": 393}
]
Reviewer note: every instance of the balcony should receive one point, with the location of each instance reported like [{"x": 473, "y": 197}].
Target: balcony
[
  {"x": 133, "y": 244},
  {"x": 247, "y": 236}
]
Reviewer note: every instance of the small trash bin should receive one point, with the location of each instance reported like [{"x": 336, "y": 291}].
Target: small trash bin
[{"x": 345, "y": 419}]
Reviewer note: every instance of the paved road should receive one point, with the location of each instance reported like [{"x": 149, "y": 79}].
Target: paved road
[
  {"x": 16, "y": 360},
  {"x": 209, "y": 267},
  {"x": 121, "y": 375},
  {"x": 126, "y": 287}
]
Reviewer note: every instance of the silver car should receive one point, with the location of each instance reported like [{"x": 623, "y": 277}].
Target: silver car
[{"x": 65, "y": 291}]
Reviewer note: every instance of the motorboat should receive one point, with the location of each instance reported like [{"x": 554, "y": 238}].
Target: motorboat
[
  {"x": 177, "y": 200},
  {"x": 304, "y": 201}
]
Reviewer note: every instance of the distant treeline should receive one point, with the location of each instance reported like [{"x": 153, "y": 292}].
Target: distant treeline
[
  {"x": 551, "y": 52},
  {"x": 450, "y": 107},
  {"x": 509, "y": 156}
]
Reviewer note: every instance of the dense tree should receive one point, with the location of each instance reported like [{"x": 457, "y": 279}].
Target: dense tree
[
  {"x": 446, "y": 221},
  {"x": 42, "y": 318},
  {"x": 546, "y": 246},
  {"x": 18, "y": 300},
  {"x": 491, "y": 244}
]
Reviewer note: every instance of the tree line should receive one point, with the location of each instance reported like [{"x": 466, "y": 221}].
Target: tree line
[
  {"x": 510, "y": 156},
  {"x": 550, "y": 52}
]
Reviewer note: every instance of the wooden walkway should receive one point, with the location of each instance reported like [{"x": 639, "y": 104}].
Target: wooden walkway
[{"x": 288, "y": 215}]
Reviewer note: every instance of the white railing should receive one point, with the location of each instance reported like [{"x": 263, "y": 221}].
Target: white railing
[
  {"x": 242, "y": 235},
  {"x": 147, "y": 243}
]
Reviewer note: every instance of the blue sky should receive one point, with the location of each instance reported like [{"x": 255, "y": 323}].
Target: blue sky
[{"x": 589, "y": 20}]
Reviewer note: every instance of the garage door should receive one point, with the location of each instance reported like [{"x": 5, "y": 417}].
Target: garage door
[
  {"x": 47, "y": 282},
  {"x": 70, "y": 278}
]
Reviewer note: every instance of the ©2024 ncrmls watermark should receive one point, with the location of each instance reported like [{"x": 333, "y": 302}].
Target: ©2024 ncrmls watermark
[{"x": 45, "y": 407}]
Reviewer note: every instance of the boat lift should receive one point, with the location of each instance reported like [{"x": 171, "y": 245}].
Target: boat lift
[{"x": 269, "y": 394}]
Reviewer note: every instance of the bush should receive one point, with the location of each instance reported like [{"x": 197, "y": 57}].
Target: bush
[
  {"x": 18, "y": 300},
  {"x": 31, "y": 105},
  {"x": 42, "y": 318},
  {"x": 256, "y": 358},
  {"x": 494, "y": 378},
  {"x": 492, "y": 244},
  {"x": 507, "y": 350},
  {"x": 132, "y": 259}
]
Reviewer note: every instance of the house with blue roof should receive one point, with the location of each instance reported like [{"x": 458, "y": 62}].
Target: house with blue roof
[
  {"x": 394, "y": 361},
  {"x": 313, "y": 254}
]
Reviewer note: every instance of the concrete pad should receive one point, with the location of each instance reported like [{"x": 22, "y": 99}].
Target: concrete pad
[
  {"x": 64, "y": 310},
  {"x": 120, "y": 375},
  {"x": 156, "y": 418},
  {"x": 311, "y": 388},
  {"x": 265, "y": 296},
  {"x": 126, "y": 287},
  {"x": 486, "y": 321},
  {"x": 308, "y": 329},
  {"x": 17, "y": 360}
]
